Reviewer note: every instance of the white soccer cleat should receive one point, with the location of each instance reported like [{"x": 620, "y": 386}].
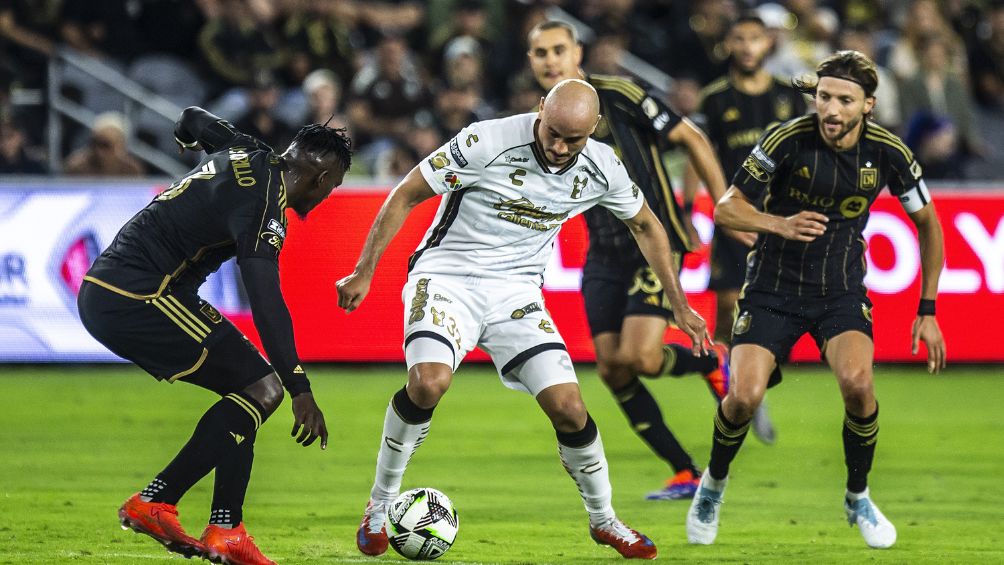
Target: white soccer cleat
[
  {"x": 878, "y": 531},
  {"x": 702, "y": 518}
]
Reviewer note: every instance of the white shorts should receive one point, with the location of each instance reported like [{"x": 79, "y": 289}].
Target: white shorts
[{"x": 446, "y": 317}]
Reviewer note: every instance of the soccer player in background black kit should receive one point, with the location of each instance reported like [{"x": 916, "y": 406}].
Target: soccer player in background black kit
[
  {"x": 735, "y": 110},
  {"x": 819, "y": 175},
  {"x": 626, "y": 307},
  {"x": 140, "y": 299}
]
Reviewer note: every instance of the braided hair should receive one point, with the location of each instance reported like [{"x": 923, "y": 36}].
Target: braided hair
[{"x": 319, "y": 140}]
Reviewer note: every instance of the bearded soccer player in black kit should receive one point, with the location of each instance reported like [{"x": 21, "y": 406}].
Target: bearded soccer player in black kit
[
  {"x": 735, "y": 110},
  {"x": 626, "y": 306},
  {"x": 140, "y": 300},
  {"x": 819, "y": 175}
]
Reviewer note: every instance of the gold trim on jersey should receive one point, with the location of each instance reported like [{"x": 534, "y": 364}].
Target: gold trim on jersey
[
  {"x": 775, "y": 138},
  {"x": 126, "y": 293},
  {"x": 188, "y": 314},
  {"x": 182, "y": 317},
  {"x": 630, "y": 90},
  {"x": 193, "y": 368},
  {"x": 247, "y": 406},
  {"x": 667, "y": 195},
  {"x": 882, "y": 135},
  {"x": 716, "y": 86}
]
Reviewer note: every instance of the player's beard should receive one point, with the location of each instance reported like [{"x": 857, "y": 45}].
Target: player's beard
[
  {"x": 848, "y": 128},
  {"x": 747, "y": 72}
]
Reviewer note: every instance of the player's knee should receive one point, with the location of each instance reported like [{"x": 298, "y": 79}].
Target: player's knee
[
  {"x": 743, "y": 401},
  {"x": 614, "y": 375},
  {"x": 267, "y": 391},
  {"x": 428, "y": 382},
  {"x": 856, "y": 387},
  {"x": 568, "y": 413}
]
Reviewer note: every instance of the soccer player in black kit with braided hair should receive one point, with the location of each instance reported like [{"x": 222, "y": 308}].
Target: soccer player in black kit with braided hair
[{"x": 140, "y": 299}]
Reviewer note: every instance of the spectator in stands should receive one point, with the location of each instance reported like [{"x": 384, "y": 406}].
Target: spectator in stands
[
  {"x": 386, "y": 94},
  {"x": 524, "y": 94},
  {"x": 317, "y": 34},
  {"x": 105, "y": 154},
  {"x": 924, "y": 20},
  {"x": 463, "y": 65},
  {"x": 469, "y": 18},
  {"x": 815, "y": 28},
  {"x": 935, "y": 89},
  {"x": 783, "y": 61},
  {"x": 398, "y": 18},
  {"x": 101, "y": 28},
  {"x": 324, "y": 97},
  {"x": 987, "y": 62},
  {"x": 237, "y": 41},
  {"x": 27, "y": 33},
  {"x": 14, "y": 156},
  {"x": 604, "y": 56},
  {"x": 698, "y": 41},
  {"x": 935, "y": 141},
  {"x": 261, "y": 121},
  {"x": 887, "y": 107}
]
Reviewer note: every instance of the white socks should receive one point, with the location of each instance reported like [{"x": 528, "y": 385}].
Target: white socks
[
  {"x": 588, "y": 468},
  {"x": 399, "y": 442}
]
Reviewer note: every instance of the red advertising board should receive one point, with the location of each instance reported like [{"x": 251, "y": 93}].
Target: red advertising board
[{"x": 970, "y": 306}]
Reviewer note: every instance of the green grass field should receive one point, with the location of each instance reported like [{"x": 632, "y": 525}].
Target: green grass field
[{"x": 75, "y": 442}]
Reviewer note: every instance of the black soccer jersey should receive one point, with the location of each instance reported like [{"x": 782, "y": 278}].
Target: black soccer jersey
[
  {"x": 233, "y": 203},
  {"x": 735, "y": 120},
  {"x": 793, "y": 169},
  {"x": 635, "y": 125}
]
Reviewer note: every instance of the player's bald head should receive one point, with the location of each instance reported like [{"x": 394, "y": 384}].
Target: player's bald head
[
  {"x": 572, "y": 106},
  {"x": 568, "y": 116}
]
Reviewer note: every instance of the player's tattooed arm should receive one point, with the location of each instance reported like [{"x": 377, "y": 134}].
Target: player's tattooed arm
[
  {"x": 654, "y": 244},
  {"x": 410, "y": 192}
]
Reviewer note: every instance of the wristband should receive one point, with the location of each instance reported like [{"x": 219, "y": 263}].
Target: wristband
[{"x": 926, "y": 307}]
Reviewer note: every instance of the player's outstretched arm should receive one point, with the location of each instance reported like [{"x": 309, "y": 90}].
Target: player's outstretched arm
[
  {"x": 410, "y": 192},
  {"x": 701, "y": 156},
  {"x": 275, "y": 327},
  {"x": 654, "y": 245},
  {"x": 735, "y": 211},
  {"x": 932, "y": 258}
]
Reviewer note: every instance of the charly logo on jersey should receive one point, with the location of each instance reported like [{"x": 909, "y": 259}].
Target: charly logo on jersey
[
  {"x": 523, "y": 212},
  {"x": 438, "y": 161},
  {"x": 868, "y": 177},
  {"x": 274, "y": 234}
]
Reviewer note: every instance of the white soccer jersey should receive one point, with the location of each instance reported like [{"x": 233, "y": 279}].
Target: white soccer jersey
[{"x": 503, "y": 205}]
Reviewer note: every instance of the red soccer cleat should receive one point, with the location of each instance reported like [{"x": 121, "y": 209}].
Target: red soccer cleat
[
  {"x": 159, "y": 521},
  {"x": 233, "y": 546},
  {"x": 719, "y": 379},
  {"x": 372, "y": 535},
  {"x": 629, "y": 543}
]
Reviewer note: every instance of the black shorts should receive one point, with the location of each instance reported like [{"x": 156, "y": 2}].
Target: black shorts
[
  {"x": 177, "y": 336},
  {"x": 728, "y": 263},
  {"x": 613, "y": 292},
  {"x": 775, "y": 322}
]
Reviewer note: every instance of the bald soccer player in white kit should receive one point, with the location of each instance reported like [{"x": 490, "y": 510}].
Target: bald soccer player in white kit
[{"x": 476, "y": 279}]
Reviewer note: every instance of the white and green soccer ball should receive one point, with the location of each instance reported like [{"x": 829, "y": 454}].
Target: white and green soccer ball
[{"x": 422, "y": 524}]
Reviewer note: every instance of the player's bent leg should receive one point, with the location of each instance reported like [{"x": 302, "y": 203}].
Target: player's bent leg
[
  {"x": 581, "y": 450},
  {"x": 645, "y": 416},
  {"x": 752, "y": 366},
  {"x": 726, "y": 301},
  {"x": 406, "y": 425}
]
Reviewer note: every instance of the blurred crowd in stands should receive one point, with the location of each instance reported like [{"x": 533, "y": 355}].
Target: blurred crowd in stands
[{"x": 402, "y": 75}]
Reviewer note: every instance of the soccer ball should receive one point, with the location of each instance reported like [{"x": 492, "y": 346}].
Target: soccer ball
[{"x": 422, "y": 524}]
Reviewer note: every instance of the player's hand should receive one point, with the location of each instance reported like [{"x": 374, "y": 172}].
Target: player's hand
[
  {"x": 746, "y": 238},
  {"x": 803, "y": 226},
  {"x": 307, "y": 415},
  {"x": 925, "y": 328},
  {"x": 352, "y": 290},
  {"x": 694, "y": 326}
]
